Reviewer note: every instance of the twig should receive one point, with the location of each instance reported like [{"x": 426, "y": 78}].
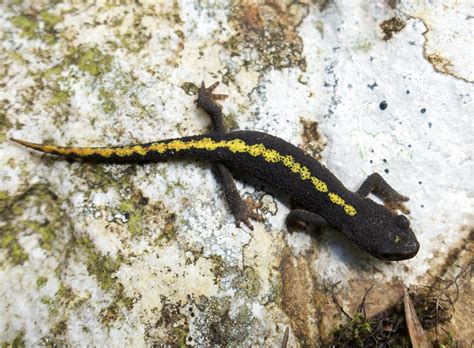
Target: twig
[{"x": 444, "y": 292}]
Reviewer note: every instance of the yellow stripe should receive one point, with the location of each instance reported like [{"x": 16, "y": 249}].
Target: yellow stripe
[{"x": 234, "y": 145}]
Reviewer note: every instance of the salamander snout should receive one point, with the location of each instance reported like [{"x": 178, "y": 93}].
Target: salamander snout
[{"x": 408, "y": 250}]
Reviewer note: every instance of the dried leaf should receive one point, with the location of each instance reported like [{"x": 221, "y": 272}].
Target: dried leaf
[{"x": 417, "y": 335}]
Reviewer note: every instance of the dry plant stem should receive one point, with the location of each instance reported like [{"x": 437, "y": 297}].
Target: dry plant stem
[
  {"x": 284, "y": 343},
  {"x": 444, "y": 293}
]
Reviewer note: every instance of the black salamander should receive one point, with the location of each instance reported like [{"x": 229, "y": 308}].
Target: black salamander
[{"x": 320, "y": 197}]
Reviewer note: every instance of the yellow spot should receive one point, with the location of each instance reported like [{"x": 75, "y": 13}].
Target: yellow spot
[
  {"x": 320, "y": 185},
  {"x": 256, "y": 150},
  {"x": 82, "y": 152},
  {"x": 105, "y": 152},
  {"x": 271, "y": 156},
  {"x": 305, "y": 173},
  {"x": 350, "y": 210},
  {"x": 296, "y": 167},
  {"x": 288, "y": 161},
  {"x": 158, "y": 147},
  {"x": 335, "y": 198},
  {"x": 237, "y": 145},
  {"x": 140, "y": 150},
  {"x": 122, "y": 151},
  {"x": 177, "y": 145},
  {"x": 48, "y": 148}
]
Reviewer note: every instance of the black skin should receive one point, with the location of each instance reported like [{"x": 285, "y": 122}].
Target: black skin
[{"x": 376, "y": 229}]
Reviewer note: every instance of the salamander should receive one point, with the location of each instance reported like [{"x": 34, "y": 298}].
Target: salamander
[{"x": 319, "y": 197}]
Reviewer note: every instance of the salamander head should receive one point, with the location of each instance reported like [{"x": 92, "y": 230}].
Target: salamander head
[{"x": 382, "y": 233}]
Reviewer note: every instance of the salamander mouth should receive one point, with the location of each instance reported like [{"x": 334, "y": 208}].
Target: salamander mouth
[{"x": 407, "y": 252}]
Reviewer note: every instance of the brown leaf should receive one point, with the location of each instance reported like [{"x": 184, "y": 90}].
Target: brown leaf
[{"x": 417, "y": 335}]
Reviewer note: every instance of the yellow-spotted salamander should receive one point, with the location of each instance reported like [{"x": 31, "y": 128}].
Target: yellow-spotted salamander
[{"x": 319, "y": 196}]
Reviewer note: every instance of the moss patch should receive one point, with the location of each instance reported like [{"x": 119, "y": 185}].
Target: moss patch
[
  {"x": 26, "y": 24},
  {"x": 134, "y": 216},
  {"x": 93, "y": 61},
  {"x": 248, "y": 282},
  {"x": 8, "y": 241},
  {"x": 30, "y": 28},
  {"x": 219, "y": 328},
  {"x": 18, "y": 341},
  {"x": 41, "y": 281},
  {"x": 101, "y": 266},
  {"x": 38, "y": 201}
]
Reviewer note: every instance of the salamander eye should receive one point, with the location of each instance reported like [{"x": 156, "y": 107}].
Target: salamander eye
[{"x": 402, "y": 222}]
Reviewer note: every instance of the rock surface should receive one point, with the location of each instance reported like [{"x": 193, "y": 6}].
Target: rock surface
[{"x": 145, "y": 255}]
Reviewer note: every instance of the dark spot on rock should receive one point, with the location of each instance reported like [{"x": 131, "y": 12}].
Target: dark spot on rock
[
  {"x": 384, "y": 160},
  {"x": 383, "y": 105},
  {"x": 313, "y": 142},
  {"x": 372, "y": 86},
  {"x": 408, "y": 92},
  {"x": 430, "y": 124},
  {"x": 386, "y": 171},
  {"x": 391, "y": 26},
  {"x": 423, "y": 110},
  {"x": 392, "y": 3}
]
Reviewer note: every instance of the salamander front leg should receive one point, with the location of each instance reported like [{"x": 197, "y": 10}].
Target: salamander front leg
[
  {"x": 208, "y": 102},
  {"x": 239, "y": 208},
  {"x": 298, "y": 215},
  {"x": 378, "y": 186}
]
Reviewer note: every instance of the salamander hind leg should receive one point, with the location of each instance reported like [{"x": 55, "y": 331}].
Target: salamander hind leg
[
  {"x": 208, "y": 102},
  {"x": 378, "y": 186},
  {"x": 241, "y": 209}
]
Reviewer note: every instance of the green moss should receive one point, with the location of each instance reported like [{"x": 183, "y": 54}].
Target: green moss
[
  {"x": 94, "y": 61},
  {"x": 4, "y": 196},
  {"x": 101, "y": 266},
  {"x": 248, "y": 282},
  {"x": 65, "y": 293},
  {"x": 45, "y": 231},
  {"x": 18, "y": 341},
  {"x": 9, "y": 242},
  {"x": 59, "y": 97},
  {"x": 134, "y": 221},
  {"x": 114, "y": 310},
  {"x": 190, "y": 88},
  {"x": 218, "y": 268},
  {"x": 40, "y": 282},
  {"x": 47, "y": 300},
  {"x": 50, "y": 19},
  {"x": 39, "y": 200},
  {"x": 354, "y": 333},
  {"x": 53, "y": 72},
  {"x": 27, "y": 25},
  {"x": 182, "y": 333},
  {"x": 59, "y": 328},
  {"x": 107, "y": 98},
  {"x": 133, "y": 41}
]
